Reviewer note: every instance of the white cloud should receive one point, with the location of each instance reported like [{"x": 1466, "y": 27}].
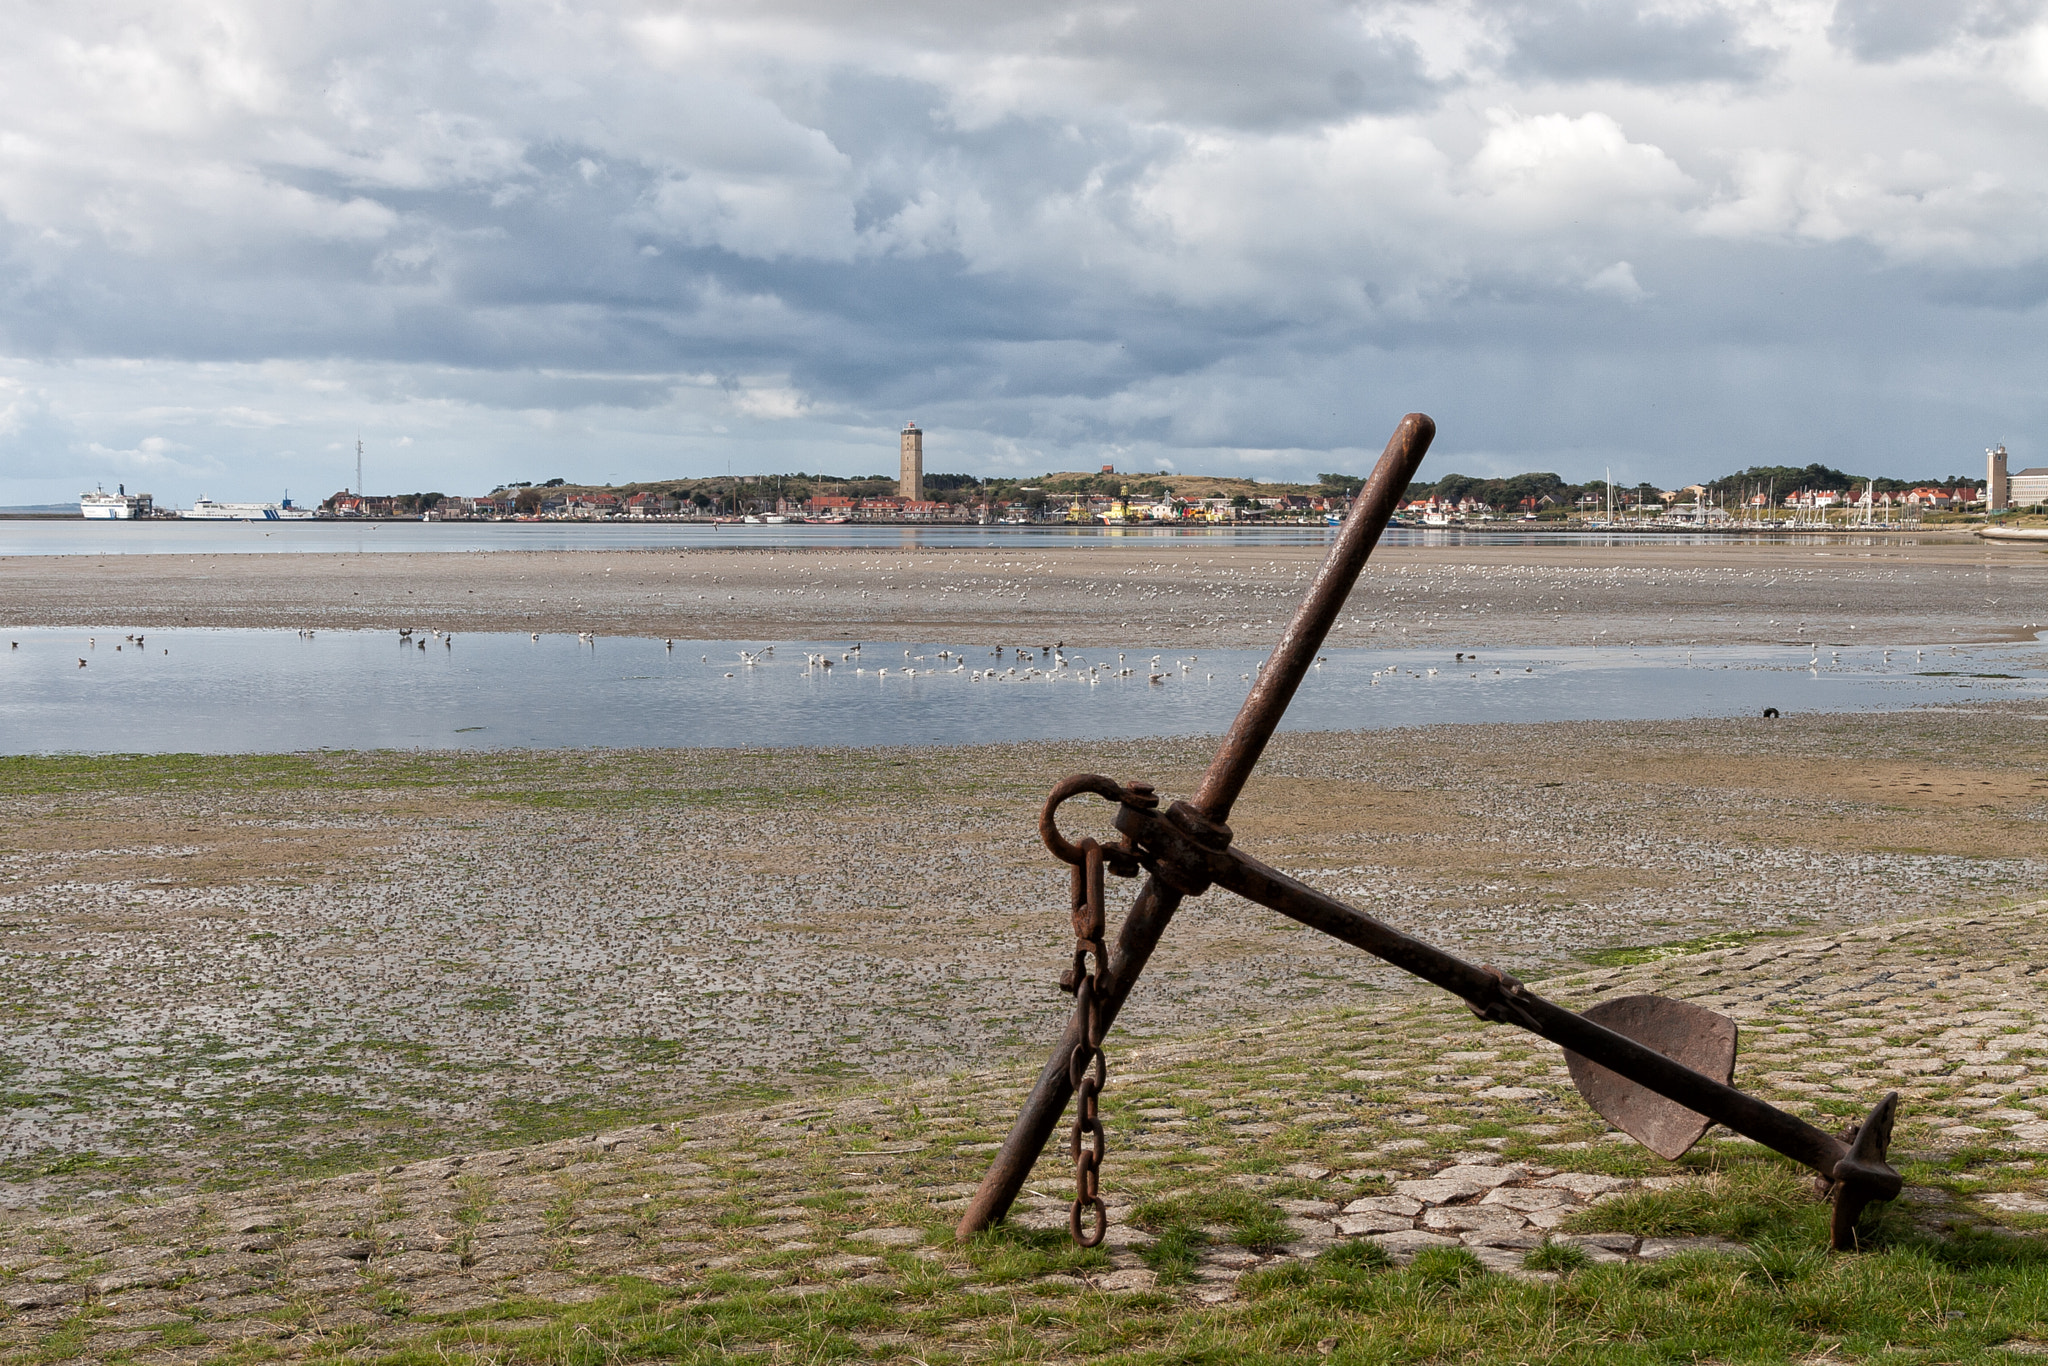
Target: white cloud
[
  {"x": 1617, "y": 281},
  {"x": 768, "y": 400},
  {"x": 153, "y": 455},
  {"x": 1550, "y": 170}
]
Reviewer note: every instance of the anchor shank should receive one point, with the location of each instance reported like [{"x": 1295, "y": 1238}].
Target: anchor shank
[
  {"x": 1255, "y": 724},
  {"x": 1494, "y": 998},
  {"x": 1289, "y": 663}
]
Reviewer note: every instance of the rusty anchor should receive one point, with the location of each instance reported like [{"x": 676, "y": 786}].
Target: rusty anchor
[{"x": 1658, "y": 1069}]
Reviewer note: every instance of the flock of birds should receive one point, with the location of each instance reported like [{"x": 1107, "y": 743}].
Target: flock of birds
[
  {"x": 1024, "y": 665},
  {"x": 93, "y": 643}
]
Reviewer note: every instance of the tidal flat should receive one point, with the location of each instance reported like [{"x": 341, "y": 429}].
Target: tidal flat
[
  {"x": 226, "y": 971},
  {"x": 1921, "y": 589}
]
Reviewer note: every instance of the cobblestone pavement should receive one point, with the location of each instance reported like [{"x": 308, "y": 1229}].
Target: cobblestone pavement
[
  {"x": 1406, "y": 1123},
  {"x": 220, "y": 971}
]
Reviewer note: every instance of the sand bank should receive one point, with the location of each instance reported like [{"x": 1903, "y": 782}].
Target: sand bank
[{"x": 1190, "y": 595}]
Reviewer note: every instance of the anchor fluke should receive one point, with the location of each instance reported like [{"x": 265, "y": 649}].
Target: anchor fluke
[
  {"x": 1864, "y": 1175},
  {"x": 1692, "y": 1035}
]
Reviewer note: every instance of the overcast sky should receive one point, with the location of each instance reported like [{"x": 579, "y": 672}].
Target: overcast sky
[{"x": 617, "y": 241}]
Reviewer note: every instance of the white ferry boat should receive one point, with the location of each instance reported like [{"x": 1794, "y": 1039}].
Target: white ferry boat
[
  {"x": 206, "y": 510},
  {"x": 122, "y": 506}
]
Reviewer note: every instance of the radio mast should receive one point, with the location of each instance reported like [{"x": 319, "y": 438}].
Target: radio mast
[{"x": 359, "y": 464}]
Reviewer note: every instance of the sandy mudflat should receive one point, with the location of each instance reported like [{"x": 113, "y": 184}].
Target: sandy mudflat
[
  {"x": 1188, "y": 595},
  {"x": 228, "y": 968}
]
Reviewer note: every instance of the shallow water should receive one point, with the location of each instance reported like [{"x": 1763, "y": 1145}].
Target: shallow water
[
  {"x": 241, "y": 691},
  {"x": 75, "y": 536}
]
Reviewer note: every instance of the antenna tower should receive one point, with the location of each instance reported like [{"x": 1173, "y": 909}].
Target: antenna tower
[{"x": 359, "y": 464}]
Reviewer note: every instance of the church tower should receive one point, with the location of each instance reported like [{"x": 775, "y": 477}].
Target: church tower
[{"x": 911, "y": 485}]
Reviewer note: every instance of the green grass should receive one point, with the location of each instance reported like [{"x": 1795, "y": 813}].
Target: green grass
[
  {"x": 1349, "y": 1305},
  {"x": 1745, "y": 1200},
  {"x": 1552, "y": 1256},
  {"x": 1181, "y": 1225},
  {"x": 1655, "y": 953}
]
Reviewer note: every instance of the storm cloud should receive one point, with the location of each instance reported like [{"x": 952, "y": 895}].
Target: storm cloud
[{"x": 515, "y": 240}]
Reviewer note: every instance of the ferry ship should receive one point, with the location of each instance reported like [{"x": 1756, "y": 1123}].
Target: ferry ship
[
  {"x": 206, "y": 510},
  {"x": 123, "y": 506}
]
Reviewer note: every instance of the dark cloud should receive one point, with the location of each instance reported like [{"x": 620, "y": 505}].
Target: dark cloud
[
  {"x": 1627, "y": 40},
  {"x": 1886, "y": 30}
]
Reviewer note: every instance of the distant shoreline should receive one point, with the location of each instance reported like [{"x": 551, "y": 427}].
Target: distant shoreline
[{"x": 1074, "y": 528}]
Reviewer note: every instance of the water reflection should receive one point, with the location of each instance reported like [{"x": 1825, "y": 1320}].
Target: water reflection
[{"x": 274, "y": 691}]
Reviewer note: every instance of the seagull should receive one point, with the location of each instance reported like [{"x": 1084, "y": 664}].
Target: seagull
[{"x": 81, "y": 664}]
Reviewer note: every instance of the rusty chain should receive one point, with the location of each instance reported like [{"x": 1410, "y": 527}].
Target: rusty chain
[
  {"x": 1087, "y": 1068},
  {"x": 1088, "y": 988}
]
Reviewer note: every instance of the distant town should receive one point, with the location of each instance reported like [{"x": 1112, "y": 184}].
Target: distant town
[{"x": 1814, "y": 495}]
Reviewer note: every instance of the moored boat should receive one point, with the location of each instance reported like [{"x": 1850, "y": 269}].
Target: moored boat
[{"x": 121, "y": 506}]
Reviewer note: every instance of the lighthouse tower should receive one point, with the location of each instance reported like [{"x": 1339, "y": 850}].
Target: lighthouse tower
[{"x": 911, "y": 485}]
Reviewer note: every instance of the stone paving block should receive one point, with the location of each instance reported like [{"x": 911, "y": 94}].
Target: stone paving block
[
  {"x": 412, "y": 1266},
  {"x": 459, "y": 1301},
  {"x": 1402, "y": 1245},
  {"x": 110, "y": 1344},
  {"x": 1353, "y": 1225},
  {"x": 1385, "y": 1204},
  {"x": 1473, "y": 1218},
  {"x": 894, "y": 1237},
  {"x": 2017, "y": 1202},
  {"x": 1601, "y": 1247},
  {"x": 1131, "y": 1279},
  {"x": 29, "y": 1297},
  {"x": 1315, "y": 1209},
  {"x": 1657, "y": 1249},
  {"x": 1520, "y": 1241},
  {"x": 1527, "y": 1198},
  {"x": 148, "y": 1318},
  {"x": 136, "y": 1278},
  {"x": 243, "y": 1330},
  {"x": 1585, "y": 1184}
]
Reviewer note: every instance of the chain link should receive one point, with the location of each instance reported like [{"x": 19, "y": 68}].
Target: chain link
[{"x": 1086, "y": 1067}]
